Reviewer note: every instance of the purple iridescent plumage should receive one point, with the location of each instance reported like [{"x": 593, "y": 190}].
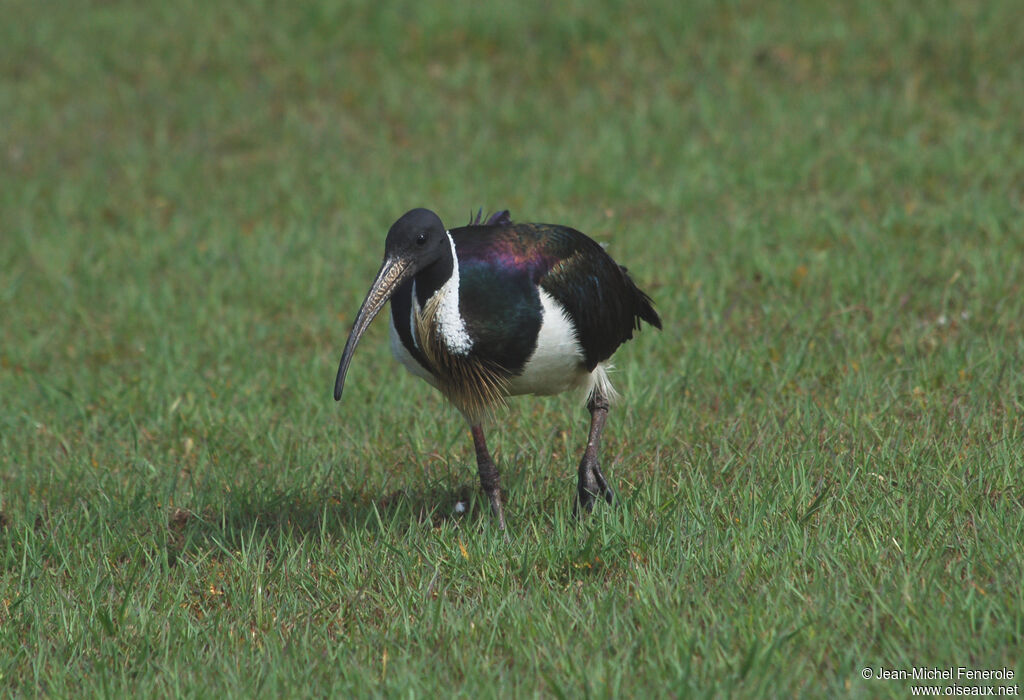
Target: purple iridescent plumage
[{"x": 503, "y": 266}]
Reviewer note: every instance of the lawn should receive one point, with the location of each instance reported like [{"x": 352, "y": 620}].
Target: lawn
[{"x": 819, "y": 460}]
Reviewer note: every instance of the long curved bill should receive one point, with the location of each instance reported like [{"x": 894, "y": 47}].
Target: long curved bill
[{"x": 392, "y": 273}]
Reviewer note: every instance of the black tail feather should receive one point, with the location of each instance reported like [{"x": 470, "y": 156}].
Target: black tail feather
[
  {"x": 645, "y": 310},
  {"x": 643, "y": 305}
]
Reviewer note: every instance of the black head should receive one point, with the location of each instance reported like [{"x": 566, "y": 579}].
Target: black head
[
  {"x": 417, "y": 236},
  {"x": 415, "y": 242}
]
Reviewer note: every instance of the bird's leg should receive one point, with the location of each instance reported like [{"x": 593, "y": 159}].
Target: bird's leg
[
  {"x": 592, "y": 482},
  {"x": 489, "y": 480}
]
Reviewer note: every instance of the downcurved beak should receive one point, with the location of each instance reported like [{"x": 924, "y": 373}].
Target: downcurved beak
[{"x": 392, "y": 273}]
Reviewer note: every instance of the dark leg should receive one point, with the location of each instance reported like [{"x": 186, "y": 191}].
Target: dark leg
[
  {"x": 488, "y": 474},
  {"x": 592, "y": 482}
]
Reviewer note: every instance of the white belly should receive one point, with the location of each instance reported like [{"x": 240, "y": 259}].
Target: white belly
[{"x": 557, "y": 362}]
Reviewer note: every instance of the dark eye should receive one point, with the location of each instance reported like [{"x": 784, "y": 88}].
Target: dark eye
[{"x": 421, "y": 239}]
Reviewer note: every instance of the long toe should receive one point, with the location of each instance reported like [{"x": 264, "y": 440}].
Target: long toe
[
  {"x": 602, "y": 483},
  {"x": 496, "y": 508}
]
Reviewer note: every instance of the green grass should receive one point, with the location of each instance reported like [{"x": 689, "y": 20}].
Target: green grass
[{"x": 819, "y": 459}]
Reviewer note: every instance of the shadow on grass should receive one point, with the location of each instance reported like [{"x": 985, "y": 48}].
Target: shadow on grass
[{"x": 301, "y": 514}]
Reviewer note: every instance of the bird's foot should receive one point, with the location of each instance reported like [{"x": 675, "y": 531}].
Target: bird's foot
[{"x": 591, "y": 485}]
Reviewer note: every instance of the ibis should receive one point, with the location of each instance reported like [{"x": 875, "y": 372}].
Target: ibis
[{"x": 498, "y": 309}]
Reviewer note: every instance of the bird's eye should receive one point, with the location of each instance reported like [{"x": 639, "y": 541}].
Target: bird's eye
[{"x": 421, "y": 239}]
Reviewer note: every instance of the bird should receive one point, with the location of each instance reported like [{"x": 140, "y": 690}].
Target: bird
[{"x": 497, "y": 309}]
